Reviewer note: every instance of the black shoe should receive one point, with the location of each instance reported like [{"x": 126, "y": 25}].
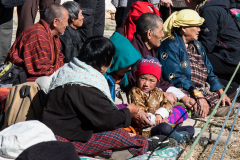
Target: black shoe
[{"x": 159, "y": 142}]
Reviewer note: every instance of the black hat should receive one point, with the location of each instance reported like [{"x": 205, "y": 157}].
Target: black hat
[{"x": 51, "y": 150}]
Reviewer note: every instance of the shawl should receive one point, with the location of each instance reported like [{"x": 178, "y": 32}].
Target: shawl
[
  {"x": 77, "y": 72},
  {"x": 125, "y": 55},
  {"x": 137, "y": 9},
  {"x": 185, "y": 17},
  {"x": 37, "y": 51}
]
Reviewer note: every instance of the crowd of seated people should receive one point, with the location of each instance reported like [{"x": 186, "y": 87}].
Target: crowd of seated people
[{"x": 149, "y": 74}]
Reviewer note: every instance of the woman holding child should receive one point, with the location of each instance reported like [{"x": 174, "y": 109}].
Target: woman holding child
[
  {"x": 79, "y": 107},
  {"x": 124, "y": 61},
  {"x": 185, "y": 63}
]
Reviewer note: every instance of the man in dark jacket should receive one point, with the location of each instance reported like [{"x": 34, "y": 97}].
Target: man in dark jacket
[{"x": 219, "y": 35}]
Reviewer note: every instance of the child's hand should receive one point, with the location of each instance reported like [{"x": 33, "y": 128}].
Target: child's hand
[
  {"x": 165, "y": 120},
  {"x": 158, "y": 119}
]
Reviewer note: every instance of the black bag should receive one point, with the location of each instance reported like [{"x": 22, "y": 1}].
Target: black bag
[
  {"x": 12, "y": 76},
  {"x": 12, "y": 3}
]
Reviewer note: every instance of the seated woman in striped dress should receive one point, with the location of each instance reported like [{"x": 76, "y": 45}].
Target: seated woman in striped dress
[{"x": 185, "y": 63}]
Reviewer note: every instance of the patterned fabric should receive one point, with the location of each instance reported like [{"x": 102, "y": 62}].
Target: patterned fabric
[
  {"x": 166, "y": 153},
  {"x": 105, "y": 142},
  {"x": 178, "y": 115},
  {"x": 149, "y": 103},
  {"x": 120, "y": 3},
  {"x": 77, "y": 72},
  {"x": 149, "y": 65},
  {"x": 199, "y": 74},
  {"x": 200, "y": 5},
  {"x": 155, "y": 100},
  {"x": 236, "y": 12},
  {"x": 34, "y": 50},
  {"x": 3, "y": 95}
]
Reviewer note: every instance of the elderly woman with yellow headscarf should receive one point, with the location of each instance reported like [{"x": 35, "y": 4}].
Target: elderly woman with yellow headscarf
[{"x": 185, "y": 63}]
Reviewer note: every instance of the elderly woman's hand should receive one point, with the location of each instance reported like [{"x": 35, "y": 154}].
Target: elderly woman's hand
[
  {"x": 139, "y": 116},
  {"x": 190, "y": 103},
  {"x": 204, "y": 106},
  {"x": 141, "y": 119},
  {"x": 226, "y": 100},
  {"x": 170, "y": 97}
]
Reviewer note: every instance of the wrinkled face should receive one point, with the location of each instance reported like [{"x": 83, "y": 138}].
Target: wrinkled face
[
  {"x": 146, "y": 82},
  {"x": 156, "y": 36},
  {"x": 191, "y": 33},
  {"x": 78, "y": 22},
  {"x": 121, "y": 72},
  {"x": 62, "y": 23}
]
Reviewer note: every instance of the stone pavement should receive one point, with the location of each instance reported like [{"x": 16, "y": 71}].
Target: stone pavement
[{"x": 212, "y": 136}]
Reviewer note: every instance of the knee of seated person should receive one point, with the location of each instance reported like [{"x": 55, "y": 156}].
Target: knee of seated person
[
  {"x": 191, "y": 131},
  {"x": 162, "y": 128}
]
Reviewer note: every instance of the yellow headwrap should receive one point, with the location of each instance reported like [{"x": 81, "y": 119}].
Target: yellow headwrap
[{"x": 185, "y": 17}]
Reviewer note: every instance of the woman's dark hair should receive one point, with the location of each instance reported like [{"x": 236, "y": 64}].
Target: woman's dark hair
[
  {"x": 177, "y": 30},
  {"x": 97, "y": 51},
  {"x": 73, "y": 9}
]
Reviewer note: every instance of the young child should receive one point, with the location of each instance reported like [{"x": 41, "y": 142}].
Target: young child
[{"x": 151, "y": 99}]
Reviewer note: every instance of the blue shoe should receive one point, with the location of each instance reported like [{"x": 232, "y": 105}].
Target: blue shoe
[{"x": 180, "y": 137}]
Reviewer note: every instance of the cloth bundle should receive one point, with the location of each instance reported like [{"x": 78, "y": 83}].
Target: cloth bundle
[{"x": 185, "y": 17}]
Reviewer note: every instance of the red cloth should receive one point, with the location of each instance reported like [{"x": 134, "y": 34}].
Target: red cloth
[
  {"x": 3, "y": 95},
  {"x": 137, "y": 9},
  {"x": 34, "y": 51}
]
